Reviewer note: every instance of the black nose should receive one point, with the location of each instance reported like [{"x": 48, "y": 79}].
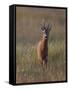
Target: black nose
[{"x": 45, "y": 36}]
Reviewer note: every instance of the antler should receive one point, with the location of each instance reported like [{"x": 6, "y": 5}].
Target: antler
[
  {"x": 49, "y": 26},
  {"x": 43, "y": 24},
  {"x": 46, "y": 25}
]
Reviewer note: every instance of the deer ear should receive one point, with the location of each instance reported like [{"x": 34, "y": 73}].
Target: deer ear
[
  {"x": 42, "y": 28},
  {"x": 43, "y": 25}
]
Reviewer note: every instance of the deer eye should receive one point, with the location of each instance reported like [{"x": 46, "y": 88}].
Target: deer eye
[{"x": 42, "y": 28}]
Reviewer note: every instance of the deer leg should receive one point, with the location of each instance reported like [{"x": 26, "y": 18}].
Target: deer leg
[{"x": 42, "y": 64}]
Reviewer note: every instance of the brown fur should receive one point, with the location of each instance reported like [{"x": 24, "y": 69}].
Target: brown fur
[{"x": 42, "y": 50}]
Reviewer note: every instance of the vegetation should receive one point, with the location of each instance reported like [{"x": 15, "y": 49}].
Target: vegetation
[{"x": 28, "y": 68}]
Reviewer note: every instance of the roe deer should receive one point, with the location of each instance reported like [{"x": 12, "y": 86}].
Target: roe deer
[{"x": 42, "y": 47}]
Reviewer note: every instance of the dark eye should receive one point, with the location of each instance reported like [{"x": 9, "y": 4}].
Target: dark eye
[{"x": 42, "y": 28}]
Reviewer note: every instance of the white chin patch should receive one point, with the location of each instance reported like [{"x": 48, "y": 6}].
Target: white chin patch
[{"x": 45, "y": 35}]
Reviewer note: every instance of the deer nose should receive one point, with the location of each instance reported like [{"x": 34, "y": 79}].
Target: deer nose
[{"x": 45, "y": 36}]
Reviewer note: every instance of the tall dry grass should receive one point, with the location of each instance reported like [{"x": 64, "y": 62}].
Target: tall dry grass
[{"x": 28, "y": 34}]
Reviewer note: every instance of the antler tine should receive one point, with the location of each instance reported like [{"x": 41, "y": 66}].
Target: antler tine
[
  {"x": 46, "y": 26},
  {"x": 49, "y": 26},
  {"x": 43, "y": 24}
]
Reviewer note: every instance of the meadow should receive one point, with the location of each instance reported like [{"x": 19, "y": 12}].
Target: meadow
[{"x": 28, "y": 34}]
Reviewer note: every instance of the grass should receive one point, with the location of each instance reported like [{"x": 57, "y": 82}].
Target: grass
[
  {"x": 28, "y": 34},
  {"x": 29, "y": 69}
]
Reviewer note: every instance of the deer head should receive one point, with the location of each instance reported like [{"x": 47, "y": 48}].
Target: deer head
[{"x": 46, "y": 27}]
